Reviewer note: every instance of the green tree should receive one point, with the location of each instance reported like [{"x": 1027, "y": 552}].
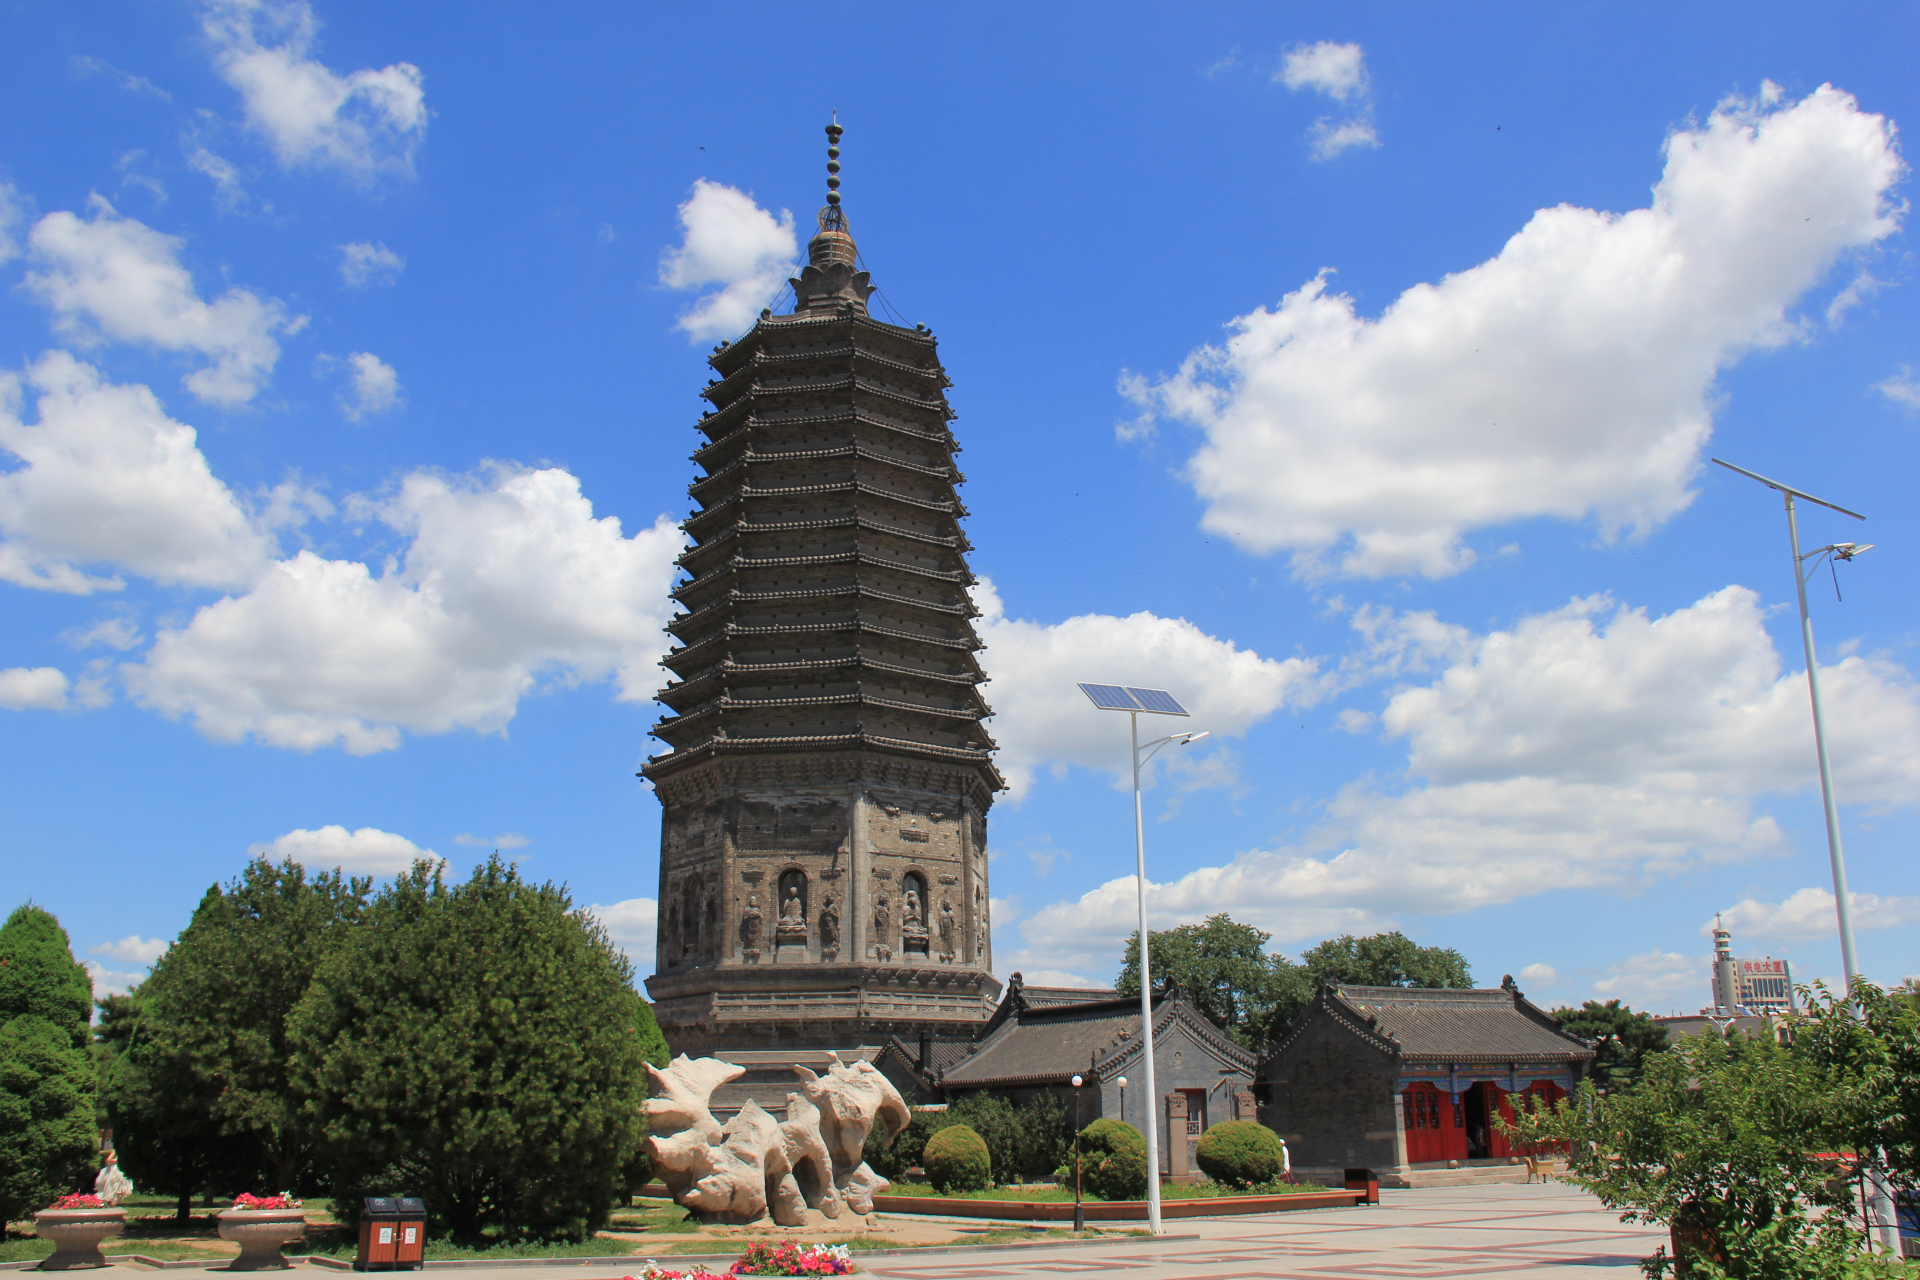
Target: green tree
[
  {"x": 1726, "y": 1135},
  {"x": 1867, "y": 1051},
  {"x": 1380, "y": 960},
  {"x": 214, "y": 1023},
  {"x": 47, "y": 1105},
  {"x": 1221, "y": 965},
  {"x": 159, "y": 1111},
  {"x": 653, "y": 1048},
  {"x": 476, "y": 1045},
  {"x": 1622, "y": 1037}
]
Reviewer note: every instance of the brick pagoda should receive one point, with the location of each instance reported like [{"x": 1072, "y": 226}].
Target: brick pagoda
[{"x": 823, "y": 853}]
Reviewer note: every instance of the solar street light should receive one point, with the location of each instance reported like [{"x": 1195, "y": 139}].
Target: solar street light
[
  {"x": 1136, "y": 702},
  {"x": 1803, "y": 567}
]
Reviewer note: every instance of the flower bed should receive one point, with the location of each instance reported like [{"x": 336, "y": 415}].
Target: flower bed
[{"x": 784, "y": 1259}]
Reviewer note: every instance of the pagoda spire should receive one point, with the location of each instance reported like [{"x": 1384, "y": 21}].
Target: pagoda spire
[{"x": 832, "y": 280}]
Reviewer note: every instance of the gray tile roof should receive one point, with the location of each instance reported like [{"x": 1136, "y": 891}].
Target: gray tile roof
[
  {"x": 1067, "y": 995},
  {"x": 1052, "y": 1042},
  {"x": 1496, "y": 1024}
]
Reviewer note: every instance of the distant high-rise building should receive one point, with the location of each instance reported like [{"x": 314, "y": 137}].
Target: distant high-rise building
[
  {"x": 823, "y": 844},
  {"x": 1754, "y": 986}
]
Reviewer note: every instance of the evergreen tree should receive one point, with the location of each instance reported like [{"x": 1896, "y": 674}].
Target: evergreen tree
[
  {"x": 1622, "y": 1039},
  {"x": 47, "y": 1134},
  {"x": 477, "y": 1046},
  {"x": 161, "y": 1115},
  {"x": 211, "y": 1065}
]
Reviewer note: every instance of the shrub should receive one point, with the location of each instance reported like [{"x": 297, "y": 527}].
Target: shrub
[
  {"x": 46, "y": 1077},
  {"x": 1113, "y": 1160},
  {"x": 1240, "y": 1153},
  {"x": 956, "y": 1160},
  {"x": 1023, "y": 1139}
]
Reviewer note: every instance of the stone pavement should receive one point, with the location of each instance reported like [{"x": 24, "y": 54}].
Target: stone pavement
[
  {"x": 1550, "y": 1230},
  {"x": 1525, "y": 1232}
]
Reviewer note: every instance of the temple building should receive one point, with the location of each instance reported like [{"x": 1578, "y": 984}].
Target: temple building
[
  {"x": 1397, "y": 1078},
  {"x": 823, "y": 842}
]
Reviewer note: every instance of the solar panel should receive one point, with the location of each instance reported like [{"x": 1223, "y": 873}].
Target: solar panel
[
  {"x": 1109, "y": 697},
  {"x": 1157, "y": 700}
]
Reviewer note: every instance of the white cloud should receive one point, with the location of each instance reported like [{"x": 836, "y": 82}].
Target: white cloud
[
  {"x": 1540, "y": 976},
  {"x": 362, "y": 124},
  {"x": 372, "y": 387},
  {"x": 1588, "y": 748},
  {"x": 1570, "y": 376},
  {"x": 115, "y": 633},
  {"x": 1809, "y": 913},
  {"x": 633, "y": 925},
  {"x": 33, "y": 689},
  {"x": 734, "y": 243},
  {"x": 91, "y": 66},
  {"x": 1041, "y": 717},
  {"x": 1337, "y": 70},
  {"x": 1901, "y": 388},
  {"x": 229, "y": 193},
  {"x": 116, "y": 277},
  {"x": 132, "y": 949},
  {"x": 364, "y": 263},
  {"x": 509, "y": 580},
  {"x": 109, "y": 478},
  {"x": 368, "y": 851},
  {"x": 1658, "y": 982},
  {"x": 505, "y": 840},
  {"x": 1858, "y": 290},
  {"x": 1331, "y": 137},
  {"x": 109, "y": 982}
]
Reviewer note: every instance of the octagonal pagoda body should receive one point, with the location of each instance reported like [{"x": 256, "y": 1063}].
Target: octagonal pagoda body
[{"x": 823, "y": 852}]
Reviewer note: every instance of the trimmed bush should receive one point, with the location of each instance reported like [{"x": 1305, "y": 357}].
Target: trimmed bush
[
  {"x": 1240, "y": 1153},
  {"x": 1024, "y": 1139},
  {"x": 1113, "y": 1160},
  {"x": 956, "y": 1160}
]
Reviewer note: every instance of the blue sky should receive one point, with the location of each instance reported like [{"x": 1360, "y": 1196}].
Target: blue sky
[{"x": 1350, "y": 371}]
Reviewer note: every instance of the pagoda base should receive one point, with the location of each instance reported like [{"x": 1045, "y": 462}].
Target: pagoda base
[{"x": 713, "y": 1012}]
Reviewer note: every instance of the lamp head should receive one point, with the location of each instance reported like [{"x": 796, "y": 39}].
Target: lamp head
[
  {"x": 1076, "y": 1082},
  {"x": 1122, "y": 1082},
  {"x": 1184, "y": 738},
  {"x": 1848, "y": 550}
]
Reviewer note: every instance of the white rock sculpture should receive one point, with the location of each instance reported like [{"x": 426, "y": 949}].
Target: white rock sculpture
[{"x": 754, "y": 1167}]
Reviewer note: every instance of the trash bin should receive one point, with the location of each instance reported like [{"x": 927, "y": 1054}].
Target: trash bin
[
  {"x": 384, "y": 1225},
  {"x": 1363, "y": 1180},
  {"x": 410, "y": 1246}
]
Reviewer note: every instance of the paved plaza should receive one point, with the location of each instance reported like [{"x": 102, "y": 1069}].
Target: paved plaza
[{"x": 1512, "y": 1230}]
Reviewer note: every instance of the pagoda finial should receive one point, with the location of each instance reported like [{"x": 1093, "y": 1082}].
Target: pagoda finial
[
  {"x": 832, "y": 217},
  {"x": 832, "y": 280}
]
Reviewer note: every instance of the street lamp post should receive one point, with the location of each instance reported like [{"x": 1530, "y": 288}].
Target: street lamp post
[
  {"x": 1122, "y": 1082},
  {"x": 1113, "y": 697},
  {"x": 1079, "y": 1211},
  {"x": 1842, "y": 907}
]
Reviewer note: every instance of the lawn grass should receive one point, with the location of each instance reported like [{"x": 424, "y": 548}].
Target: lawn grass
[{"x": 1049, "y": 1193}]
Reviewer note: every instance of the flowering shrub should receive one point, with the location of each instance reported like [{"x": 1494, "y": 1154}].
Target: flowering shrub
[
  {"x": 247, "y": 1200},
  {"x": 790, "y": 1259},
  {"x": 88, "y": 1201},
  {"x": 654, "y": 1271}
]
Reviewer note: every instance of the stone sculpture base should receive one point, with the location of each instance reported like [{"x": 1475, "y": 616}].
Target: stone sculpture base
[{"x": 755, "y": 1168}]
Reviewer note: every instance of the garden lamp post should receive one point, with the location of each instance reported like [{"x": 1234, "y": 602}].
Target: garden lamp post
[
  {"x": 1114, "y": 697},
  {"x": 1803, "y": 566},
  {"x": 1122, "y": 1082},
  {"x": 1079, "y": 1212}
]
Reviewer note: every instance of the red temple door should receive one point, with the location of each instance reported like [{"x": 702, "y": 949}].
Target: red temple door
[{"x": 1436, "y": 1129}]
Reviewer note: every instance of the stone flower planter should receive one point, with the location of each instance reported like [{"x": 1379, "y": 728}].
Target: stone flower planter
[
  {"x": 260, "y": 1233},
  {"x": 76, "y": 1235}
]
